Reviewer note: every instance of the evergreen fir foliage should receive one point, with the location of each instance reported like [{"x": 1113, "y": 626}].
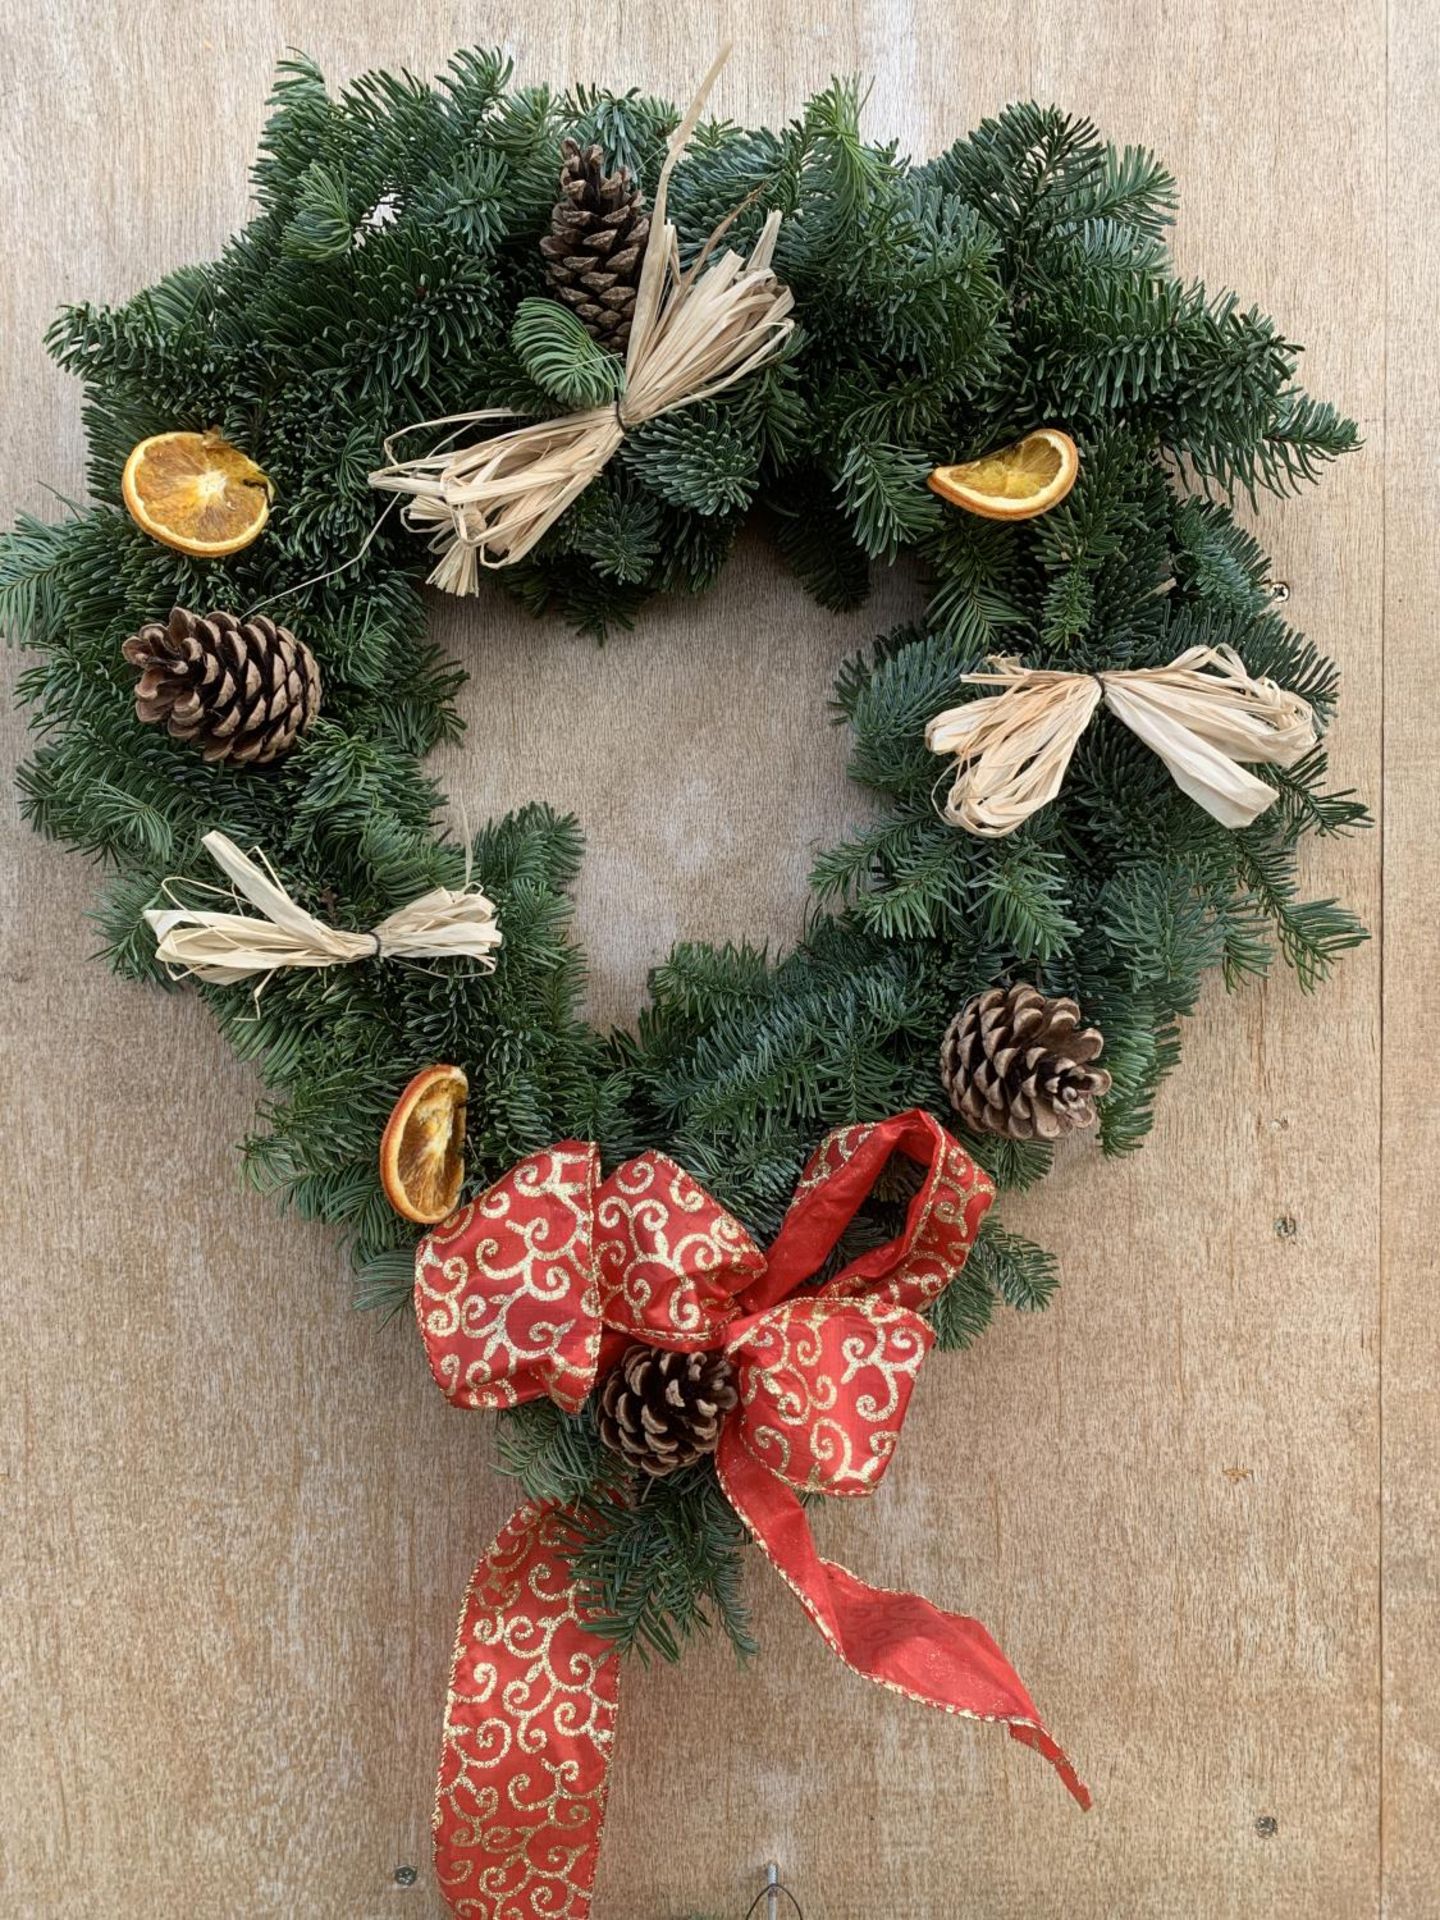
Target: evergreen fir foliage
[{"x": 391, "y": 273}]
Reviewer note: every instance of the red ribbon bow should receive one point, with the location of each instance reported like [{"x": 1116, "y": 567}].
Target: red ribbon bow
[{"x": 535, "y": 1289}]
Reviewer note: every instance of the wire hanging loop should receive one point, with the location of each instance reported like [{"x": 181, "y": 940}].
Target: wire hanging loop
[
  {"x": 695, "y": 332},
  {"x": 771, "y": 1894}
]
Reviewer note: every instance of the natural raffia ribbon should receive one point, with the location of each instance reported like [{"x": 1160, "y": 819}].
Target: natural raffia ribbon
[
  {"x": 534, "y": 1290},
  {"x": 225, "y": 947},
  {"x": 1203, "y": 715},
  {"x": 693, "y": 334}
]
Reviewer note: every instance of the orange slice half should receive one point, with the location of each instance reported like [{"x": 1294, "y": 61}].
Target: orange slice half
[
  {"x": 422, "y": 1150},
  {"x": 196, "y": 492},
  {"x": 1014, "y": 483}
]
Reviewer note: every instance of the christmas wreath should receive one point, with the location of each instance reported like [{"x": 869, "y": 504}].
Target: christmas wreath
[{"x": 985, "y": 363}]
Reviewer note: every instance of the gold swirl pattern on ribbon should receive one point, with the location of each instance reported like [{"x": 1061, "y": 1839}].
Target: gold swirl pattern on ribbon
[
  {"x": 824, "y": 1389},
  {"x": 529, "y": 1724},
  {"x": 944, "y": 1214},
  {"x": 535, "y": 1327},
  {"x": 918, "y": 1264},
  {"x": 670, "y": 1259}
]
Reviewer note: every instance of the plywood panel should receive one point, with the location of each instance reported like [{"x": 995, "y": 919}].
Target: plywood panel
[
  {"x": 246, "y": 1519},
  {"x": 1411, "y": 1347}
]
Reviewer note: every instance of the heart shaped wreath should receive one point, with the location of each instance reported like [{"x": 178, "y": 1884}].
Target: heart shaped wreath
[{"x": 808, "y": 324}]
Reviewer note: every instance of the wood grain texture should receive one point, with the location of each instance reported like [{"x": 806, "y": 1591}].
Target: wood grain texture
[
  {"x": 1410, "y": 1350},
  {"x": 243, "y": 1516}
]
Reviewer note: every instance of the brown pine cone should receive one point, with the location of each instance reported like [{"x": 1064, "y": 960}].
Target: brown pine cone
[
  {"x": 1018, "y": 1064},
  {"x": 243, "y": 691},
  {"x": 596, "y": 244},
  {"x": 661, "y": 1410}
]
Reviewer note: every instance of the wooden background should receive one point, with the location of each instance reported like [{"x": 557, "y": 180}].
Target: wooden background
[{"x": 1196, "y": 1501}]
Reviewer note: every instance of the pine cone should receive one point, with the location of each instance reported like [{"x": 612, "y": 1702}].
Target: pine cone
[
  {"x": 596, "y": 244},
  {"x": 244, "y": 692},
  {"x": 1018, "y": 1064},
  {"x": 661, "y": 1410}
]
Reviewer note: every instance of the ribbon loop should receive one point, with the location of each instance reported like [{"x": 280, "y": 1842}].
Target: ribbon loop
[
  {"x": 505, "y": 1289},
  {"x": 670, "y": 1258},
  {"x": 943, "y": 1218},
  {"x": 1203, "y": 714},
  {"x": 1012, "y": 750},
  {"x": 514, "y": 1290},
  {"x": 824, "y": 1389}
]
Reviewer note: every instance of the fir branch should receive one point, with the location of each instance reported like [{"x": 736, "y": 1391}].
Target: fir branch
[
  {"x": 666, "y": 1568},
  {"x": 886, "y": 500},
  {"x": 1312, "y": 933},
  {"x": 322, "y": 226},
  {"x": 1002, "y": 1267},
  {"x": 560, "y": 356},
  {"x": 698, "y": 458},
  {"x": 556, "y": 1455}
]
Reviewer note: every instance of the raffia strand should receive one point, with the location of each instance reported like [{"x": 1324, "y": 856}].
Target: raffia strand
[
  {"x": 223, "y": 948},
  {"x": 1204, "y": 715},
  {"x": 694, "y": 333}
]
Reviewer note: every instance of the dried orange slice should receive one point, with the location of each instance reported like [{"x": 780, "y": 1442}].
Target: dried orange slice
[
  {"x": 196, "y": 492},
  {"x": 1013, "y": 483},
  {"x": 422, "y": 1150}
]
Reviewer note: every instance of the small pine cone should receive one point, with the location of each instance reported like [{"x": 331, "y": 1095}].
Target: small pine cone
[
  {"x": 1018, "y": 1064},
  {"x": 596, "y": 244},
  {"x": 661, "y": 1410},
  {"x": 244, "y": 691}
]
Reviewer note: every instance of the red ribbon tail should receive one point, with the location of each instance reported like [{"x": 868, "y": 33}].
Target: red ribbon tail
[
  {"x": 529, "y": 1727},
  {"x": 899, "y": 1640}
]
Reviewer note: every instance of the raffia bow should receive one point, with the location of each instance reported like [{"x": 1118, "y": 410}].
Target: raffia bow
[
  {"x": 693, "y": 334},
  {"x": 533, "y": 1291},
  {"x": 223, "y": 948},
  {"x": 1203, "y": 715}
]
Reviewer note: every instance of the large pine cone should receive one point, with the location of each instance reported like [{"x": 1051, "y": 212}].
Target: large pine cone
[
  {"x": 244, "y": 691},
  {"x": 661, "y": 1410},
  {"x": 596, "y": 244},
  {"x": 1018, "y": 1064}
]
